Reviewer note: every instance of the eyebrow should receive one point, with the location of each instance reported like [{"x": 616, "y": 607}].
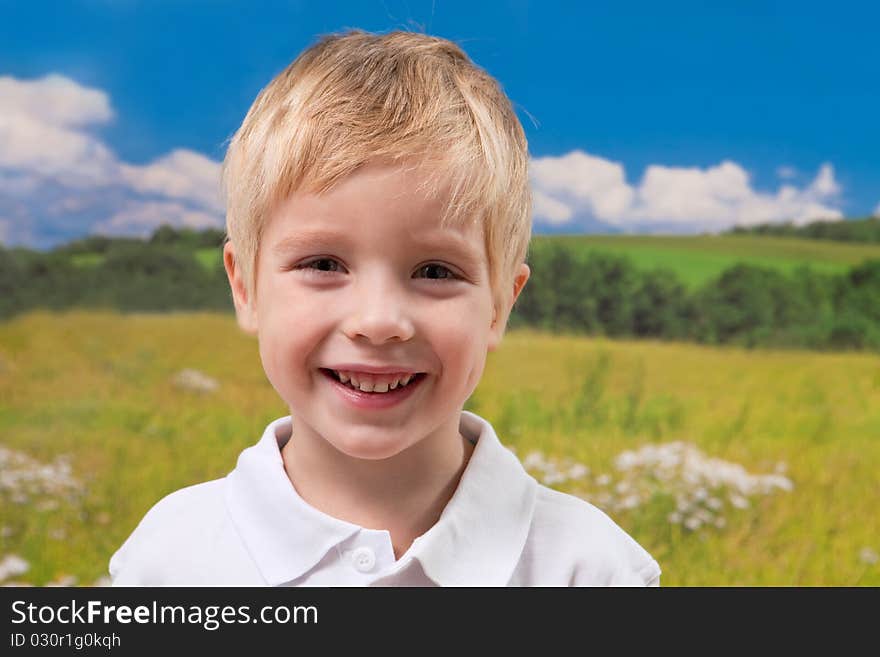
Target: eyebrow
[
  {"x": 458, "y": 245},
  {"x": 308, "y": 237}
]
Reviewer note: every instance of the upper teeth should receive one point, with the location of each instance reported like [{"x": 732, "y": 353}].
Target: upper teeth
[{"x": 373, "y": 382}]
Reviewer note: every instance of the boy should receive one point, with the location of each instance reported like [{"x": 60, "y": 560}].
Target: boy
[{"x": 378, "y": 218}]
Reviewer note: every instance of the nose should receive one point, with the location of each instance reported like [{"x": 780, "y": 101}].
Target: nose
[{"x": 379, "y": 311}]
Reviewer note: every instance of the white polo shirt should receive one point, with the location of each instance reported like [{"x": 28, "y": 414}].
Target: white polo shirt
[{"x": 500, "y": 528}]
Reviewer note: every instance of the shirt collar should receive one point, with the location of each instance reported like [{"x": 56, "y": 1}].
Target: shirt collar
[{"x": 476, "y": 542}]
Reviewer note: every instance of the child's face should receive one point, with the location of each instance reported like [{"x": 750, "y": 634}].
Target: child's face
[{"x": 381, "y": 285}]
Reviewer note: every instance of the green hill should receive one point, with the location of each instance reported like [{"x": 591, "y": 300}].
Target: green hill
[{"x": 696, "y": 259}]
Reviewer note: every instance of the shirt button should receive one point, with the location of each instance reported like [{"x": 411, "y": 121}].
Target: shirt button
[{"x": 363, "y": 559}]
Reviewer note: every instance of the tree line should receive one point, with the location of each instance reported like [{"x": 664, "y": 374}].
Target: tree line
[
  {"x": 851, "y": 230},
  {"x": 570, "y": 290},
  {"x": 159, "y": 274},
  {"x": 603, "y": 294}
]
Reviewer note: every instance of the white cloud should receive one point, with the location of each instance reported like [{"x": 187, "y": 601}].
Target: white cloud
[
  {"x": 142, "y": 218},
  {"x": 41, "y": 129},
  {"x": 677, "y": 199},
  {"x": 592, "y": 181},
  {"x": 553, "y": 211},
  {"x": 44, "y": 150},
  {"x": 876, "y": 212},
  {"x": 684, "y": 195},
  {"x": 180, "y": 174},
  {"x": 58, "y": 170},
  {"x": 786, "y": 172},
  {"x": 824, "y": 185},
  {"x": 54, "y": 100}
]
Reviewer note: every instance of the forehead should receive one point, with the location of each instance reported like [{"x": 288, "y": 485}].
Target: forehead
[{"x": 379, "y": 202}]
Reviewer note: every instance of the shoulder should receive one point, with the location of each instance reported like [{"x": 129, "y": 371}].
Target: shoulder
[
  {"x": 573, "y": 543},
  {"x": 184, "y": 512},
  {"x": 175, "y": 539}
]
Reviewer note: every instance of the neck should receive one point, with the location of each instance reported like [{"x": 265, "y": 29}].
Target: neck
[{"x": 403, "y": 494}]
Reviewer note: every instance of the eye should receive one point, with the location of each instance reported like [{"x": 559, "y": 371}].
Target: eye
[
  {"x": 320, "y": 266},
  {"x": 434, "y": 268}
]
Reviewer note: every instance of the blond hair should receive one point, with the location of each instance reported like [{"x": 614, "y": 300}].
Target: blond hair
[{"x": 404, "y": 97}]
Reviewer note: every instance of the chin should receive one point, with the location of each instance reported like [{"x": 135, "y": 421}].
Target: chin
[
  {"x": 372, "y": 454},
  {"x": 370, "y": 450}
]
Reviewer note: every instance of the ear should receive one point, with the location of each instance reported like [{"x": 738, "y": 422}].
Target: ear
[
  {"x": 245, "y": 310},
  {"x": 499, "y": 322}
]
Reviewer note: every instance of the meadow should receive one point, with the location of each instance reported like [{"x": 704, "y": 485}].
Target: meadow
[
  {"x": 731, "y": 466},
  {"x": 697, "y": 259}
]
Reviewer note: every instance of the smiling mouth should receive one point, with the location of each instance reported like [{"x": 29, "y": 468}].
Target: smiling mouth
[{"x": 373, "y": 384}]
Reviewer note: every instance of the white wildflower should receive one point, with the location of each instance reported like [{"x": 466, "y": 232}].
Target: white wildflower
[
  {"x": 534, "y": 461},
  {"x": 12, "y": 565},
  {"x": 691, "y": 477},
  {"x": 626, "y": 460},
  {"x": 739, "y": 501},
  {"x": 701, "y": 486},
  {"x": 704, "y": 515},
  {"x": 23, "y": 476},
  {"x": 552, "y": 478},
  {"x": 665, "y": 474},
  {"x": 629, "y": 502},
  {"x": 194, "y": 380},
  {"x": 868, "y": 556},
  {"x": 769, "y": 482}
]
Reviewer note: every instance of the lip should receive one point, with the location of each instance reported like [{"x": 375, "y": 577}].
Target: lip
[
  {"x": 375, "y": 369},
  {"x": 373, "y": 400}
]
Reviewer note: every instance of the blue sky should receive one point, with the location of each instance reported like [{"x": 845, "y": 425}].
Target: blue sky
[{"x": 641, "y": 116}]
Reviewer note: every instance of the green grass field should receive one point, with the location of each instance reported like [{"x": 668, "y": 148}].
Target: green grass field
[
  {"x": 99, "y": 390},
  {"x": 208, "y": 257},
  {"x": 696, "y": 259}
]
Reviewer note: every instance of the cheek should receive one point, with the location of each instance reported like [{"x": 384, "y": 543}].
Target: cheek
[
  {"x": 462, "y": 344},
  {"x": 290, "y": 330},
  {"x": 476, "y": 373},
  {"x": 274, "y": 356}
]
